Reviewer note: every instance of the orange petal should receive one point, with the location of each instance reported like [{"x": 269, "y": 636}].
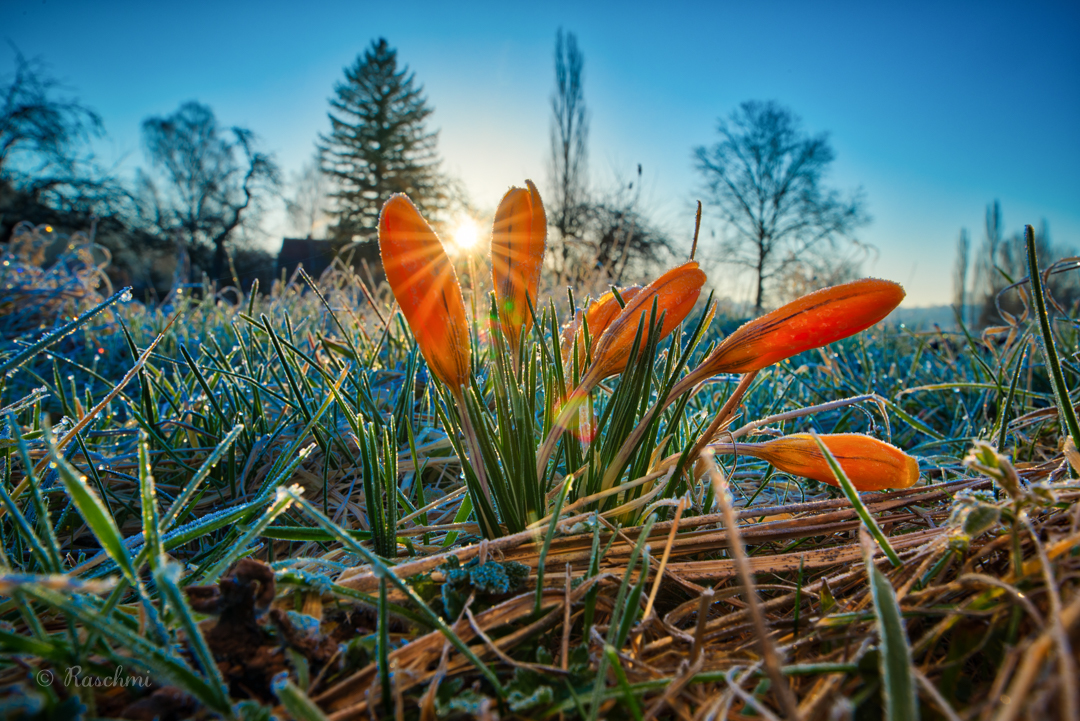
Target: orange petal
[
  {"x": 517, "y": 256},
  {"x": 675, "y": 291},
  {"x": 816, "y": 319},
  {"x": 599, "y": 313},
  {"x": 426, "y": 287},
  {"x": 870, "y": 464}
]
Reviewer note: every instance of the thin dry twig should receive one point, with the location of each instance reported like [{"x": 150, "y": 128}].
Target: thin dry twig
[{"x": 768, "y": 651}]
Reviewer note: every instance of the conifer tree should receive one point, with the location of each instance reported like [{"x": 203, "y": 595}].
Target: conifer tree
[{"x": 378, "y": 144}]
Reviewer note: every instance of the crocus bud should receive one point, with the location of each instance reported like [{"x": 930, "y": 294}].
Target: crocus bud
[
  {"x": 870, "y": 464},
  {"x": 814, "y": 320},
  {"x": 426, "y": 288},
  {"x": 517, "y": 256},
  {"x": 599, "y": 314},
  {"x": 675, "y": 293}
]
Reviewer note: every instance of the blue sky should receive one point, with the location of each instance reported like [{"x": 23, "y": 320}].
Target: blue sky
[{"x": 934, "y": 109}]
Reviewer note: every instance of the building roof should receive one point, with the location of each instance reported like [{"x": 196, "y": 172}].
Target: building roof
[{"x": 316, "y": 255}]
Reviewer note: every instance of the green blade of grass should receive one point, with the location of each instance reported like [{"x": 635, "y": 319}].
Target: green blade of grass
[
  {"x": 308, "y": 581},
  {"x": 1002, "y": 426},
  {"x": 307, "y": 533},
  {"x": 26, "y": 532},
  {"x": 180, "y": 504},
  {"x": 210, "y": 397},
  {"x": 853, "y": 496},
  {"x": 384, "y": 571},
  {"x": 93, "y": 412},
  {"x": 287, "y": 367},
  {"x": 47, "y": 546},
  {"x": 15, "y": 643},
  {"x": 633, "y": 601},
  {"x": 548, "y": 537},
  {"x": 183, "y": 535},
  {"x": 333, "y": 316},
  {"x": 625, "y": 587},
  {"x": 898, "y": 679},
  {"x": 382, "y": 649},
  {"x": 157, "y": 659},
  {"x": 146, "y": 394},
  {"x": 282, "y": 501},
  {"x": 167, "y": 579},
  {"x": 1049, "y": 348},
  {"x": 148, "y": 496},
  {"x": 462, "y": 515},
  {"x": 104, "y": 528},
  {"x": 620, "y": 675},
  {"x": 913, "y": 421},
  {"x": 289, "y": 455},
  {"x": 295, "y": 701},
  {"x": 64, "y": 331}
]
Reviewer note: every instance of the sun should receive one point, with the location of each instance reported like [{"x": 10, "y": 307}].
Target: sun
[{"x": 466, "y": 235}]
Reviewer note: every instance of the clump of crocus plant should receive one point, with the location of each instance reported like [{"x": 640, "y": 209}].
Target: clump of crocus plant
[
  {"x": 812, "y": 321},
  {"x": 674, "y": 293},
  {"x": 597, "y": 316},
  {"x": 501, "y": 430}
]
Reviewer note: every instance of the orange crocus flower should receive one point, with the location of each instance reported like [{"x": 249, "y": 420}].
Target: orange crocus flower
[
  {"x": 870, "y": 464},
  {"x": 426, "y": 288},
  {"x": 599, "y": 313},
  {"x": 675, "y": 291},
  {"x": 814, "y": 320},
  {"x": 518, "y": 238}
]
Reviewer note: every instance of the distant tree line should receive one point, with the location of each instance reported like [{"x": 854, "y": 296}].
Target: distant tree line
[
  {"x": 193, "y": 210},
  {"x": 197, "y": 205},
  {"x": 988, "y": 283}
]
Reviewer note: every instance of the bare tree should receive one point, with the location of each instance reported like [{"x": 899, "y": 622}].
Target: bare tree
[
  {"x": 569, "y": 206},
  {"x": 988, "y": 281},
  {"x": 960, "y": 273},
  {"x": 214, "y": 179},
  {"x": 44, "y": 144},
  {"x": 765, "y": 176},
  {"x": 598, "y": 236},
  {"x": 38, "y": 125},
  {"x": 623, "y": 238}
]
